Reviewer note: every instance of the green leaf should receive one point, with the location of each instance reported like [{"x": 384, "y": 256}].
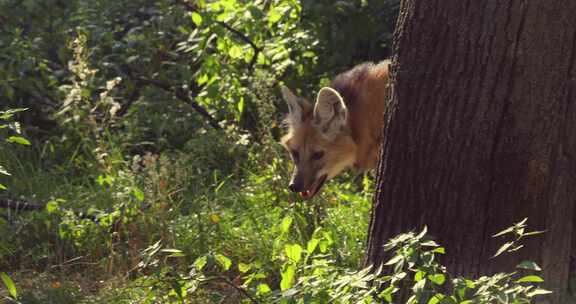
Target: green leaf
[
  {"x": 533, "y": 233},
  {"x": 529, "y": 265},
  {"x": 394, "y": 260},
  {"x": 294, "y": 252},
  {"x": 105, "y": 179},
  {"x": 503, "y": 232},
  {"x": 387, "y": 293},
  {"x": 422, "y": 233},
  {"x": 324, "y": 245},
  {"x": 175, "y": 253},
  {"x": 202, "y": 79},
  {"x": 430, "y": 244},
  {"x": 240, "y": 107},
  {"x": 287, "y": 277},
  {"x": 243, "y": 268},
  {"x": 235, "y": 52},
  {"x": 530, "y": 279},
  {"x": 52, "y": 206},
  {"x": 539, "y": 291},
  {"x": 503, "y": 248},
  {"x": 223, "y": 261},
  {"x": 436, "y": 298},
  {"x": 9, "y": 285},
  {"x": 308, "y": 54},
  {"x": 387, "y": 297},
  {"x": 515, "y": 248},
  {"x": 274, "y": 16},
  {"x": 263, "y": 289},
  {"x": 285, "y": 225},
  {"x": 439, "y": 250},
  {"x": 2, "y": 187},
  {"x": 311, "y": 246},
  {"x": 18, "y": 140},
  {"x": 437, "y": 279},
  {"x": 197, "y": 19},
  {"x": 200, "y": 262},
  {"x": 5, "y": 115},
  {"x": 522, "y": 223},
  {"x": 138, "y": 194},
  {"x": 419, "y": 286},
  {"x": 419, "y": 275},
  {"x": 3, "y": 171}
]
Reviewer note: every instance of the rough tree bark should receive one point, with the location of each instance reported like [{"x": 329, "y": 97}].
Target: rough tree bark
[{"x": 481, "y": 132}]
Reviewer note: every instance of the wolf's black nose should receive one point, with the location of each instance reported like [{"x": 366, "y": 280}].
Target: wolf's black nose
[{"x": 295, "y": 187}]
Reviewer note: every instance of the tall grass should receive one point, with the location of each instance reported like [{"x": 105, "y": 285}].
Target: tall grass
[{"x": 211, "y": 197}]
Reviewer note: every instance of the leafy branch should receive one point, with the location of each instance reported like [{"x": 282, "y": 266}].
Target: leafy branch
[
  {"x": 518, "y": 232},
  {"x": 7, "y": 123},
  {"x": 194, "y": 8}
]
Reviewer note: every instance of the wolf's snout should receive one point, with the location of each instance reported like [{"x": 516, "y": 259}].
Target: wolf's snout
[
  {"x": 297, "y": 181},
  {"x": 295, "y": 186}
]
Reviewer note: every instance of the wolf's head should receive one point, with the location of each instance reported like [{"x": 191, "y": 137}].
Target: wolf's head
[{"x": 318, "y": 140}]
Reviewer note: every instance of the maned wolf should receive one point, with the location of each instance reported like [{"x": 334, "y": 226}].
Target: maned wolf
[{"x": 343, "y": 130}]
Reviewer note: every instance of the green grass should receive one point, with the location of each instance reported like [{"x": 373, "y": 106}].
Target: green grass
[{"x": 209, "y": 198}]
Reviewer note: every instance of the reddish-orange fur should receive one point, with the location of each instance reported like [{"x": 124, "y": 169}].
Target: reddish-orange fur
[
  {"x": 363, "y": 90},
  {"x": 367, "y": 113}
]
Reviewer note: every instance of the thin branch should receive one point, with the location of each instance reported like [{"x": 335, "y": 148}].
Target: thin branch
[
  {"x": 254, "y": 58},
  {"x": 73, "y": 262},
  {"x": 180, "y": 93},
  {"x": 19, "y": 205},
  {"x": 22, "y": 205},
  {"x": 184, "y": 95},
  {"x": 239, "y": 34},
  {"x": 238, "y": 288},
  {"x": 134, "y": 96}
]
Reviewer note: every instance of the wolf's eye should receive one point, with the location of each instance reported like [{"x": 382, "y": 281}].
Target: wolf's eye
[
  {"x": 317, "y": 155},
  {"x": 295, "y": 154}
]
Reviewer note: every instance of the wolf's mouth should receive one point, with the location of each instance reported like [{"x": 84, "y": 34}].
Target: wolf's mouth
[{"x": 308, "y": 194}]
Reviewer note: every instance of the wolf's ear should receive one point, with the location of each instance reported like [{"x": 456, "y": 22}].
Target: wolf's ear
[
  {"x": 296, "y": 106},
  {"x": 330, "y": 112}
]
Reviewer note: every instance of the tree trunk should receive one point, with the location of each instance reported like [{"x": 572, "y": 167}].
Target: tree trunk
[{"x": 480, "y": 132}]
